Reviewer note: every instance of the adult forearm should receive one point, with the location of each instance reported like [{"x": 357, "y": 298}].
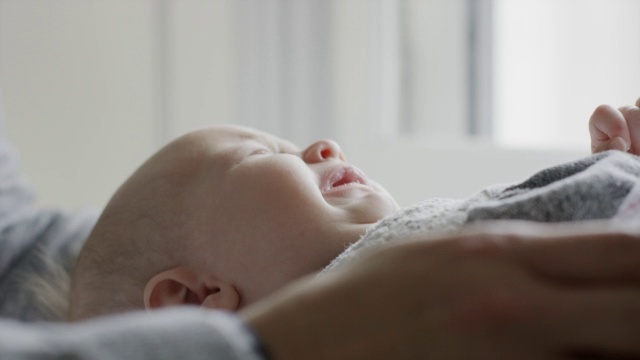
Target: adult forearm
[{"x": 502, "y": 292}]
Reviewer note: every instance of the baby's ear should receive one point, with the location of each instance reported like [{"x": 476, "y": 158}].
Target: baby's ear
[{"x": 184, "y": 286}]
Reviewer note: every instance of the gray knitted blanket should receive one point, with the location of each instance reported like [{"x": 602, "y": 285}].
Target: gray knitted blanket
[{"x": 602, "y": 186}]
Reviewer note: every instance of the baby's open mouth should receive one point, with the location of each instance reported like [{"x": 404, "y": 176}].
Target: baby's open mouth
[{"x": 343, "y": 177}]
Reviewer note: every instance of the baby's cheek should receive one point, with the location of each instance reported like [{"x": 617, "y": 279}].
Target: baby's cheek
[{"x": 391, "y": 200}]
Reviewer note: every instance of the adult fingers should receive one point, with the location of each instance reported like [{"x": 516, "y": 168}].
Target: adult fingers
[
  {"x": 606, "y": 257},
  {"x": 632, "y": 117},
  {"x": 605, "y": 124},
  {"x": 602, "y": 321},
  {"x": 501, "y": 300},
  {"x": 591, "y": 252}
]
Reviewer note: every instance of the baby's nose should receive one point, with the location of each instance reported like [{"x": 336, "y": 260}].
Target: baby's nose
[{"x": 323, "y": 150}]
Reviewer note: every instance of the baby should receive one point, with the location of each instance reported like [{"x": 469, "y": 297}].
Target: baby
[
  {"x": 222, "y": 217},
  {"x": 225, "y": 216}
]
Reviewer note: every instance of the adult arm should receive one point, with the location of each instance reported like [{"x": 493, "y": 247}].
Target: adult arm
[{"x": 516, "y": 291}]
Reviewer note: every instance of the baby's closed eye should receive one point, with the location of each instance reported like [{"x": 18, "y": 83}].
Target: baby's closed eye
[{"x": 262, "y": 151}]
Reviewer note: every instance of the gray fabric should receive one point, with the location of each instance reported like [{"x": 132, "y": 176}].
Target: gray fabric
[
  {"x": 590, "y": 188},
  {"x": 601, "y": 186},
  {"x": 432, "y": 216},
  {"x": 38, "y": 236},
  {"x": 186, "y": 333},
  {"x": 32, "y": 236}
]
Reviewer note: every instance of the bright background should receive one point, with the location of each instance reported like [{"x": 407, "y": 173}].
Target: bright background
[{"x": 429, "y": 97}]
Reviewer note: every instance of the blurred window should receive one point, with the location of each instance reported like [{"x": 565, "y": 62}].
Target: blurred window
[
  {"x": 555, "y": 61},
  {"x": 533, "y": 69}
]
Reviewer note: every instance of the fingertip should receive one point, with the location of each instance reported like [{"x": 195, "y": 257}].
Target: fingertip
[
  {"x": 618, "y": 143},
  {"x": 638, "y": 102},
  {"x": 604, "y": 118},
  {"x": 595, "y": 149},
  {"x": 602, "y": 111}
]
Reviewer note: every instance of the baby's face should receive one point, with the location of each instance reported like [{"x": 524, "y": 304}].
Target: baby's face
[{"x": 271, "y": 212}]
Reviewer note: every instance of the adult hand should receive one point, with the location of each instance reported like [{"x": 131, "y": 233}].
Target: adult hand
[
  {"x": 517, "y": 291},
  {"x": 615, "y": 129}
]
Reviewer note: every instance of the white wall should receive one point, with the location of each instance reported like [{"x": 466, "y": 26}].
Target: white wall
[
  {"x": 559, "y": 59},
  {"x": 88, "y": 96},
  {"x": 77, "y": 79},
  {"x": 435, "y": 159}
]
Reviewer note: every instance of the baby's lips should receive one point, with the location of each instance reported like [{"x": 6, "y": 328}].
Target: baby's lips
[{"x": 338, "y": 175}]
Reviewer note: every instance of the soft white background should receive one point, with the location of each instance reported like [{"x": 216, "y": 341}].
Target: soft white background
[{"x": 92, "y": 88}]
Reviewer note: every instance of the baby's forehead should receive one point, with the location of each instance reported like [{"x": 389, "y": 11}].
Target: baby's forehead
[
  {"x": 226, "y": 143},
  {"x": 225, "y": 137}
]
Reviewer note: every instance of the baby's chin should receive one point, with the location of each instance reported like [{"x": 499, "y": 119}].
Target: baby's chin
[
  {"x": 390, "y": 205},
  {"x": 379, "y": 206},
  {"x": 363, "y": 206}
]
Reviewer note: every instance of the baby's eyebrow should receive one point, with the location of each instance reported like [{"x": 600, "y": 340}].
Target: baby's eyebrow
[
  {"x": 274, "y": 143},
  {"x": 281, "y": 145},
  {"x": 288, "y": 145},
  {"x": 231, "y": 156},
  {"x": 267, "y": 141}
]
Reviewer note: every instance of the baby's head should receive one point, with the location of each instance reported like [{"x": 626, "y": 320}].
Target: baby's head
[{"x": 220, "y": 218}]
